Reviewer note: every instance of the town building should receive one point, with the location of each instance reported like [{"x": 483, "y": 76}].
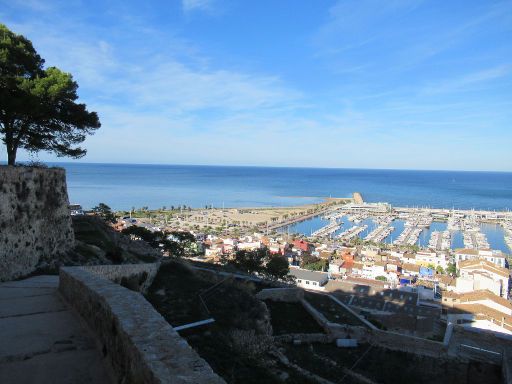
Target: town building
[
  {"x": 309, "y": 279},
  {"x": 476, "y": 274},
  {"x": 478, "y": 310}
]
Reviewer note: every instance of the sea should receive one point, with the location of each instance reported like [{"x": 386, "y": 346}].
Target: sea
[
  {"x": 126, "y": 186},
  {"x": 123, "y": 186}
]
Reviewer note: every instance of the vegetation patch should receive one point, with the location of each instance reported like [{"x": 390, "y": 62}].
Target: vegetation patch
[
  {"x": 238, "y": 344},
  {"x": 332, "y": 311}
]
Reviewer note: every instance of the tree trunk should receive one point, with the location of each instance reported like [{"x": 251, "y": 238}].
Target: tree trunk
[
  {"x": 11, "y": 156},
  {"x": 10, "y": 144},
  {"x": 11, "y": 149}
]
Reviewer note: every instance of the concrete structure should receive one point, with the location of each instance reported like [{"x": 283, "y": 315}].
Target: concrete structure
[
  {"x": 35, "y": 221},
  {"x": 479, "y": 309},
  {"x": 249, "y": 245},
  {"x": 138, "y": 343},
  {"x": 476, "y": 274},
  {"x": 288, "y": 295},
  {"x": 43, "y": 340},
  {"x": 309, "y": 279},
  {"x": 492, "y": 256},
  {"x": 426, "y": 258}
]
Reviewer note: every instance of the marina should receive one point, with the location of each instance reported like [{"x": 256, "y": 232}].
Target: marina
[{"x": 435, "y": 229}]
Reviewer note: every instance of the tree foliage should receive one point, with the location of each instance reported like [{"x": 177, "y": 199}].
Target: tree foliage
[
  {"x": 104, "y": 211},
  {"x": 277, "y": 267},
  {"x": 452, "y": 269},
  {"x": 261, "y": 261},
  {"x": 250, "y": 261},
  {"x": 38, "y": 106},
  {"x": 158, "y": 239},
  {"x": 313, "y": 263}
]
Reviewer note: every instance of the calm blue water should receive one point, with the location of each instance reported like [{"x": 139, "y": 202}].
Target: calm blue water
[
  {"x": 123, "y": 186},
  {"x": 426, "y": 233}
]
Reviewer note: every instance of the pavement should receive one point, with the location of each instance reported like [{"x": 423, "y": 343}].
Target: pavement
[{"x": 42, "y": 340}]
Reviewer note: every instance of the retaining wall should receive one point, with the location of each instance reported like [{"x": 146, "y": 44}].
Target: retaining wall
[
  {"x": 399, "y": 342},
  {"x": 288, "y": 295},
  {"x": 35, "y": 223},
  {"x": 305, "y": 338},
  {"x": 137, "y": 277},
  {"x": 138, "y": 342}
]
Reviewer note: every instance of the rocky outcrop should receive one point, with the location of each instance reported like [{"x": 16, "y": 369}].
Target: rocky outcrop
[{"x": 35, "y": 223}]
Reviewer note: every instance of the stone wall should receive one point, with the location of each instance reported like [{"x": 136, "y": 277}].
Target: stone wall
[
  {"x": 399, "y": 342},
  {"x": 137, "y": 277},
  {"x": 287, "y": 295},
  {"x": 307, "y": 338},
  {"x": 34, "y": 218},
  {"x": 138, "y": 342}
]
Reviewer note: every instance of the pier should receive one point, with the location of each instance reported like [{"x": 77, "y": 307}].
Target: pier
[
  {"x": 379, "y": 234},
  {"x": 358, "y": 198},
  {"x": 440, "y": 241},
  {"x": 352, "y": 232},
  {"x": 330, "y": 228},
  {"x": 475, "y": 240},
  {"x": 409, "y": 235}
]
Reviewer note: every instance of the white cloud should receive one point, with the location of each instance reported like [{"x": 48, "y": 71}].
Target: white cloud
[
  {"x": 181, "y": 88},
  {"x": 468, "y": 81},
  {"x": 196, "y": 5}
]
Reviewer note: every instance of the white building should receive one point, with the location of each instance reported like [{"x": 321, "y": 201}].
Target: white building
[
  {"x": 426, "y": 258},
  {"x": 482, "y": 274},
  {"x": 249, "y": 246},
  {"x": 493, "y": 256},
  {"x": 479, "y": 310},
  {"x": 309, "y": 279}
]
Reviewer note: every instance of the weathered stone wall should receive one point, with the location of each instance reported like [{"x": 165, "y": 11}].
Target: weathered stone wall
[
  {"x": 305, "y": 338},
  {"x": 137, "y": 277},
  {"x": 288, "y": 295},
  {"x": 34, "y": 218},
  {"x": 138, "y": 342},
  {"x": 399, "y": 342}
]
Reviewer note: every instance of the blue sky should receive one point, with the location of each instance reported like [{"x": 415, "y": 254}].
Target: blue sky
[{"x": 356, "y": 84}]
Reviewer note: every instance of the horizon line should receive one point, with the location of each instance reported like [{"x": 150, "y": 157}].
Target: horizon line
[{"x": 269, "y": 166}]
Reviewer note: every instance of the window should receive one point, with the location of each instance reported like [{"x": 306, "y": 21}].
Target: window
[
  {"x": 307, "y": 282},
  {"x": 314, "y": 283},
  {"x": 299, "y": 281}
]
